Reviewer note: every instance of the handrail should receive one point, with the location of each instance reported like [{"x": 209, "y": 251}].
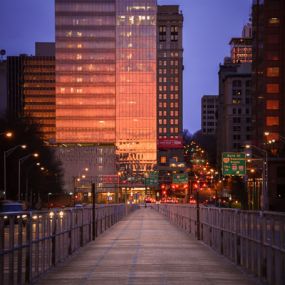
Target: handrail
[
  {"x": 254, "y": 240},
  {"x": 31, "y": 242}
]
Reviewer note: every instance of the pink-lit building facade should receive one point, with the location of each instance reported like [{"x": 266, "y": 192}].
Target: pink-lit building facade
[{"x": 106, "y": 78}]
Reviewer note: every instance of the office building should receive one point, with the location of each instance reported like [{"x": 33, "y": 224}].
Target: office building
[
  {"x": 169, "y": 93},
  {"x": 209, "y": 109},
  {"x": 106, "y": 77},
  {"x": 268, "y": 70},
  {"x": 106, "y": 84},
  {"x": 170, "y": 72},
  {"x": 234, "y": 126},
  {"x": 31, "y": 89},
  {"x": 268, "y": 18}
]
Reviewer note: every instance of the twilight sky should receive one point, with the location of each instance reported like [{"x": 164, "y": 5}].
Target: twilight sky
[{"x": 208, "y": 27}]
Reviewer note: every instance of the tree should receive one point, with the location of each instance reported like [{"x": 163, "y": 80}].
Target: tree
[
  {"x": 209, "y": 144},
  {"x": 36, "y": 180}
]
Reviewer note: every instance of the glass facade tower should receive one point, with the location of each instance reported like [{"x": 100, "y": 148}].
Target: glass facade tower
[
  {"x": 136, "y": 83},
  {"x": 85, "y": 71},
  {"x": 106, "y": 76}
]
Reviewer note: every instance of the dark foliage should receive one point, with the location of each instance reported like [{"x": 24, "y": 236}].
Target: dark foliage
[{"x": 36, "y": 183}]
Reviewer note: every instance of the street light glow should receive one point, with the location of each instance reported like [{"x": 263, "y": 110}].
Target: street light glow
[{"x": 9, "y": 134}]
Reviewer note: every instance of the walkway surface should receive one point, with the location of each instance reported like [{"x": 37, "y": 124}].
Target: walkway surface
[{"x": 145, "y": 248}]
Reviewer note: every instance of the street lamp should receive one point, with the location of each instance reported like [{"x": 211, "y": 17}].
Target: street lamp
[
  {"x": 264, "y": 176},
  {"x": 6, "y": 154},
  {"x": 21, "y": 160},
  {"x": 279, "y": 136},
  {"x": 7, "y": 134}
]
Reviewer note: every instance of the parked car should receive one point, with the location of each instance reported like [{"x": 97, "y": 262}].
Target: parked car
[{"x": 12, "y": 208}]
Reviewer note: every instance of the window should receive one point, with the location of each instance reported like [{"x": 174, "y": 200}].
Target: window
[
  {"x": 273, "y": 55},
  {"x": 272, "y": 105},
  {"x": 237, "y": 83},
  {"x": 272, "y": 71},
  {"x": 273, "y": 39},
  {"x": 162, "y": 33},
  {"x": 274, "y": 21},
  {"x": 272, "y": 88},
  {"x": 174, "y": 33},
  {"x": 272, "y": 121},
  {"x": 163, "y": 159}
]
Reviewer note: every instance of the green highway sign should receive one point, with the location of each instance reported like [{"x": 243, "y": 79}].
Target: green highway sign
[
  {"x": 181, "y": 178},
  {"x": 152, "y": 179},
  {"x": 234, "y": 163}
]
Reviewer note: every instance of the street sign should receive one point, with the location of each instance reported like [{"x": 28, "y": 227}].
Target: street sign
[
  {"x": 152, "y": 179},
  {"x": 234, "y": 163},
  {"x": 181, "y": 178}
]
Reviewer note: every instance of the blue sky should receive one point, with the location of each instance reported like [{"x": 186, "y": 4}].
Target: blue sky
[{"x": 208, "y": 27}]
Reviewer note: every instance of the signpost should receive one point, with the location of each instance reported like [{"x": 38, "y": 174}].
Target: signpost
[
  {"x": 181, "y": 178},
  {"x": 234, "y": 163}
]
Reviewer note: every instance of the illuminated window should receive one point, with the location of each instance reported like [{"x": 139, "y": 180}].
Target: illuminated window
[
  {"x": 272, "y": 55},
  {"x": 272, "y": 121},
  {"x": 163, "y": 159},
  {"x": 272, "y": 104},
  {"x": 272, "y": 72},
  {"x": 274, "y": 21},
  {"x": 272, "y": 88}
]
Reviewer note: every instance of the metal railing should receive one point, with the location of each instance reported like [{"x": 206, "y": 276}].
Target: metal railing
[
  {"x": 33, "y": 242},
  {"x": 251, "y": 239}
]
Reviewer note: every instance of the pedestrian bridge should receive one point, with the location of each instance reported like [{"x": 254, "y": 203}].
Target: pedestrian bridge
[
  {"x": 145, "y": 248},
  {"x": 160, "y": 244}
]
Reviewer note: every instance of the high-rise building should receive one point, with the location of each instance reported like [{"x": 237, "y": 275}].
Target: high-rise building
[
  {"x": 241, "y": 48},
  {"x": 268, "y": 70},
  {"x": 31, "y": 89},
  {"x": 136, "y": 118},
  {"x": 169, "y": 93},
  {"x": 209, "y": 109},
  {"x": 234, "y": 126},
  {"x": 106, "y": 77},
  {"x": 269, "y": 94},
  {"x": 170, "y": 72}
]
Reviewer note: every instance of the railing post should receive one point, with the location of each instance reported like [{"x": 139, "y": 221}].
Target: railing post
[
  {"x": 81, "y": 229},
  {"x": 2, "y": 243},
  {"x": 93, "y": 210},
  {"x": 53, "y": 240},
  {"x": 20, "y": 251},
  {"x": 29, "y": 250},
  {"x": 198, "y": 216},
  {"x": 70, "y": 249}
]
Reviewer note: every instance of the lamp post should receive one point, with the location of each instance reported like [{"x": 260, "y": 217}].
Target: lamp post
[
  {"x": 264, "y": 205},
  {"x": 21, "y": 160},
  {"x": 6, "y": 154}
]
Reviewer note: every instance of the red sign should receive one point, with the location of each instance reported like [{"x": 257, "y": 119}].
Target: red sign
[
  {"x": 170, "y": 143},
  {"x": 109, "y": 179}
]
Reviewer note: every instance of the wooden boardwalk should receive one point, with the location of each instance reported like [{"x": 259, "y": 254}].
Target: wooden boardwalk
[{"x": 145, "y": 248}]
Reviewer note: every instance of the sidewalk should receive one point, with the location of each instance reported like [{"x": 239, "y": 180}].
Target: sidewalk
[{"x": 145, "y": 248}]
